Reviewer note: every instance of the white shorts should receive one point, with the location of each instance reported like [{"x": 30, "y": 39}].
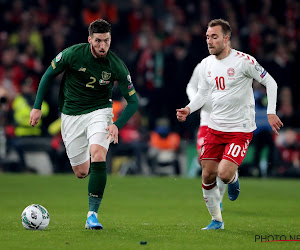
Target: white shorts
[{"x": 80, "y": 131}]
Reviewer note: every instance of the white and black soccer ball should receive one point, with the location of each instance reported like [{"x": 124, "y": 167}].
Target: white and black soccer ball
[{"x": 35, "y": 217}]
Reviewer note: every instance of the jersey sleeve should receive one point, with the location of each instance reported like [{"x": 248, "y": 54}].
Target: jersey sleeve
[
  {"x": 63, "y": 60},
  {"x": 202, "y": 90},
  {"x": 124, "y": 81},
  {"x": 257, "y": 72},
  {"x": 253, "y": 69},
  {"x": 58, "y": 65},
  {"x": 192, "y": 87},
  {"x": 129, "y": 93}
]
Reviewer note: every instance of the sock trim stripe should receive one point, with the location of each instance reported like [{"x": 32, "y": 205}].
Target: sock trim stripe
[
  {"x": 233, "y": 179},
  {"x": 209, "y": 186}
]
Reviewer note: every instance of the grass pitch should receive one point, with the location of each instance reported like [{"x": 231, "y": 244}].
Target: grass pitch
[{"x": 166, "y": 212}]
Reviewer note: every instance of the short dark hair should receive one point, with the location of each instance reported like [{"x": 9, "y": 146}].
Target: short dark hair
[
  {"x": 224, "y": 24},
  {"x": 99, "y": 26}
]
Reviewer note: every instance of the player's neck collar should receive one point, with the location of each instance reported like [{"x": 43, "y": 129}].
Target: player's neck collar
[{"x": 229, "y": 51}]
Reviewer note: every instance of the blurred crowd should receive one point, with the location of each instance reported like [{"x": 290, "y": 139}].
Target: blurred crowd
[{"x": 161, "y": 41}]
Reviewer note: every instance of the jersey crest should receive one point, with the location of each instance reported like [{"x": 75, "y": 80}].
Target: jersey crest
[
  {"x": 105, "y": 75},
  {"x": 230, "y": 72}
]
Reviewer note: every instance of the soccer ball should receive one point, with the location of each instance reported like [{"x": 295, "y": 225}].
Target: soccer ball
[{"x": 35, "y": 217}]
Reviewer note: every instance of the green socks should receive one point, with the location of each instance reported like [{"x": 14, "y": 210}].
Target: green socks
[
  {"x": 94, "y": 203},
  {"x": 97, "y": 182}
]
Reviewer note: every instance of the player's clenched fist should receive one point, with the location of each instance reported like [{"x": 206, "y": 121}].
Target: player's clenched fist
[{"x": 182, "y": 113}]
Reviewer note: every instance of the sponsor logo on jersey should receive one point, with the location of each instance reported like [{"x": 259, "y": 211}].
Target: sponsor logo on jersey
[
  {"x": 58, "y": 57},
  {"x": 129, "y": 78},
  {"x": 103, "y": 82},
  {"x": 209, "y": 74},
  {"x": 105, "y": 75},
  {"x": 130, "y": 86},
  {"x": 230, "y": 72},
  {"x": 82, "y": 69}
]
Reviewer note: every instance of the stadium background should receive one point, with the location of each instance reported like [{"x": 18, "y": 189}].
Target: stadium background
[{"x": 161, "y": 42}]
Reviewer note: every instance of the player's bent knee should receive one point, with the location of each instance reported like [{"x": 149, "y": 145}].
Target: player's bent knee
[
  {"x": 82, "y": 170},
  {"x": 225, "y": 177},
  {"x": 208, "y": 177},
  {"x": 225, "y": 180},
  {"x": 98, "y": 158},
  {"x": 81, "y": 174},
  {"x": 205, "y": 175},
  {"x": 98, "y": 153}
]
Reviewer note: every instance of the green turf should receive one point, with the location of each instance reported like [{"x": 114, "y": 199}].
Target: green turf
[{"x": 167, "y": 212}]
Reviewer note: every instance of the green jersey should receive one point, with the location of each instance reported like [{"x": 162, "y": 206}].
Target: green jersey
[{"x": 87, "y": 82}]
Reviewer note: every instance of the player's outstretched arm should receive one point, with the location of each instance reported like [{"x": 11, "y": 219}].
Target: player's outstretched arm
[
  {"x": 35, "y": 116},
  {"x": 275, "y": 123},
  {"x": 182, "y": 114}
]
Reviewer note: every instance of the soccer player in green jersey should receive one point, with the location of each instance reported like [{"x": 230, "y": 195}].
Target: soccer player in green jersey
[{"x": 90, "y": 70}]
